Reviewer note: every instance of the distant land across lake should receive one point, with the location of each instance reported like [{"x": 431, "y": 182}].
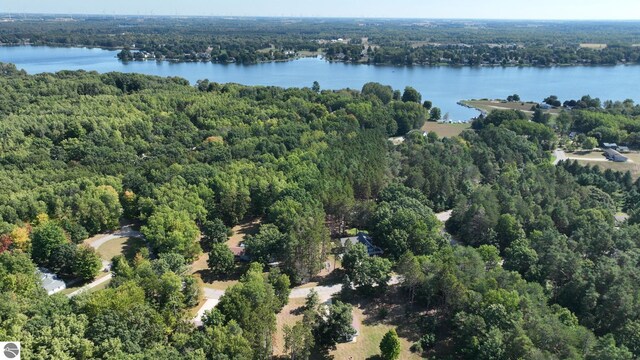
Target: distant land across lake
[{"x": 444, "y": 86}]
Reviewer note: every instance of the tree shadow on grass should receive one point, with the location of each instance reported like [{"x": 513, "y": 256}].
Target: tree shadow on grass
[
  {"x": 132, "y": 246},
  {"x": 298, "y": 311},
  {"x": 392, "y": 308},
  {"x": 332, "y": 278},
  {"x": 208, "y": 276}
]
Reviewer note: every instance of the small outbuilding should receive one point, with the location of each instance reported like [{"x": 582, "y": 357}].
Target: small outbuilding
[
  {"x": 239, "y": 253},
  {"x": 613, "y": 146},
  {"x": 613, "y": 155}
]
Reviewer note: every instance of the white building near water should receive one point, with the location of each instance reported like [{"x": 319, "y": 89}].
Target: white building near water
[{"x": 50, "y": 281}]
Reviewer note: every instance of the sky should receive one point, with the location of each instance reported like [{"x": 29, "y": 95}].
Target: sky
[{"x": 429, "y": 9}]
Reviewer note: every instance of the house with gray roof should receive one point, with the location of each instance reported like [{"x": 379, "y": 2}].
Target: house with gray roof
[
  {"x": 365, "y": 240},
  {"x": 613, "y": 155},
  {"x": 50, "y": 281}
]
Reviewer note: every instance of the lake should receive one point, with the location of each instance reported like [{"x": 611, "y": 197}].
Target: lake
[{"x": 445, "y": 86}]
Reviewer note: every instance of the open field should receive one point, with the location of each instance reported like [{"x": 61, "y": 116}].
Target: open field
[
  {"x": 593, "y": 46},
  {"x": 616, "y": 166},
  {"x": 587, "y": 156},
  {"x": 596, "y": 158},
  {"x": 372, "y": 327},
  {"x": 490, "y": 105},
  {"x": 445, "y": 129},
  {"x": 127, "y": 246}
]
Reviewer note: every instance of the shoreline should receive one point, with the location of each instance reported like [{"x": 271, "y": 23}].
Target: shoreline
[{"x": 323, "y": 57}]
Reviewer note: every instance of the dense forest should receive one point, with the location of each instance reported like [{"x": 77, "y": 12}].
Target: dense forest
[
  {"x": 372, "y": 41},
  {"x": 540, "y": 268}
]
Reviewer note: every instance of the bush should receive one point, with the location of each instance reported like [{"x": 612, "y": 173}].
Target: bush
[
  {"x": 427, "y": 341},
  {"x": 390, "y": 346}
]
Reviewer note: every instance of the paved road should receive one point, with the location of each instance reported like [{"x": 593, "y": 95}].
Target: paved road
[
  {"x": 208, "y": 305},
  {"x": 324, "y": 292},
  {"x": 590, "y": 159},
  {"x": 212, "y": 294},
  {"x": 444, "y": 216},
  {"x": 124, "y": 232},
  {"x": 560, "y": 156},
  {"x": 91, "y": 285}
]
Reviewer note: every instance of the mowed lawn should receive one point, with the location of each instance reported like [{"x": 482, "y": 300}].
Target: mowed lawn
[
  {"x": 127, "y": 246},
  {"x": 367, "y": 345},
  {"x": 200, "y": 267},
  {"x": 289, "y": 315},
  {"x": 586, "y": 158},
  {"x": 616, "y": 166},
  {"x": 445, "y": 129},
  {"x": 490, "y": 105}
]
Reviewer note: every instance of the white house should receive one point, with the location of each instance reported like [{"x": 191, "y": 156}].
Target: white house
[{"x": 50, "y": 281}]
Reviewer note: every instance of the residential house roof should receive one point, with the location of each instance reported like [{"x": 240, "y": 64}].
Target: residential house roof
[
  {"x": 50, "y": 281},
  {"x": 365, "y": 240}
]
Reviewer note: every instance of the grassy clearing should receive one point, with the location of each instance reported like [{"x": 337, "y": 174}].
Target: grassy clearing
[
  {"x": 616, "y": 166},
  {"x": 305, "y": 53},
  {"x": 121, "y": 246},
  {"x": 200, "y": 268},
  {"x": 367, "y": 345},
  {"x": 79, "y": 284},
  {"x": 586, "y": 158},
  {"x": 250, "y": 227},
  {"x": 289, "y": 315},
  {"x": 491, "y": 105},
  {"x": 586, "y": 155},
  {"x": 445, "y": 129},
  {"x": 220, "y": 284},
  {"x": 593, "y": 46}
]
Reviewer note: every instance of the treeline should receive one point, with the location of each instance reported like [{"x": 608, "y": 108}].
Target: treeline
[
  {"x": 605, "y": 121},
  {"x": 501, "y": 55},
  {"x": 397, "y": 42}
]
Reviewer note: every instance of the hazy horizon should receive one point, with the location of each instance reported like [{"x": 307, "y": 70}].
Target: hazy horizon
[{"x": 400, "y": 9}]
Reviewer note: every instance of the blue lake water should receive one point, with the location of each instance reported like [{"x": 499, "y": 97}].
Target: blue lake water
[{"x": 445, "y": 86}]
